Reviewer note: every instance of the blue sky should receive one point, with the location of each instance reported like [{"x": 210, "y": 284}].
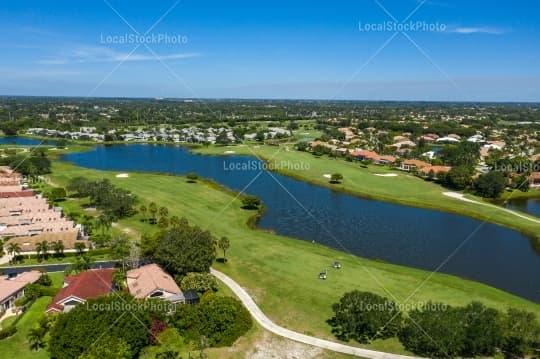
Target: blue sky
[{"x": 462, "y": 50}]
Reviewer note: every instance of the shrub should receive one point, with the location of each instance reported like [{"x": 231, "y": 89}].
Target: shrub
[
  {"x": 200, "y": 282},
  {"x": 221, "y": 320},
  {"x": 7, "y": 332},
  {"x": 365, "y": 316}
]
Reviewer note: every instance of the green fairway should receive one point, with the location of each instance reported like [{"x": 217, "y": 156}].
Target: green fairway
[
  {"x": 282, "y": 273},
  {"x": 403, "y": 188}
]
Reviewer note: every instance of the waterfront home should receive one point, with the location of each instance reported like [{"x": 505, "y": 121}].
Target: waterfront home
[
  {"x": 150, "y": 281},
  {"x": 534, "y": 180},
  {"x": 12, "y": 287},
  {"x": 435, "y": 170},
  {"x": 81, "y": 287},
  {"x": 413, "y": 165}
]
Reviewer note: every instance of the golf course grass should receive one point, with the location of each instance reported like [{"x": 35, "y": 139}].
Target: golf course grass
[
  {"x": 280, "y": 273},
  {"x": 402, "y": 188}
]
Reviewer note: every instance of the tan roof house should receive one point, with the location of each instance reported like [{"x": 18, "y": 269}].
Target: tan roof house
[
  {"x": 150, "y": 281},
  {"x": 12, "y": 287}
]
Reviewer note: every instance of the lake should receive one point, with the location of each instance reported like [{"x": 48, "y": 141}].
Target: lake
[
  {"x": 530, "y": 206},
  {"x": 393, "y": 233},
  {"x": 23, "y": 141}
]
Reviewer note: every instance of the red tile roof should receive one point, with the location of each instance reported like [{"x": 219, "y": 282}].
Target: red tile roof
[{"x": 84, "y": 285}]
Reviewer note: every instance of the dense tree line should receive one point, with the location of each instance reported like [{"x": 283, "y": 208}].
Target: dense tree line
[
  {"x": 114, "y": 201},
  {"x": 437, "y": 330}
]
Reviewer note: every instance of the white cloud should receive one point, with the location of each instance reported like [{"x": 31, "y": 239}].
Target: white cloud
[
  {"x": 476, "y": 30},
  {"x": 87, "y": 54}
]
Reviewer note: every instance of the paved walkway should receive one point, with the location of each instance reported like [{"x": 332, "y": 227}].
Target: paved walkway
[
  {"x": 460, "y": 197},
  {"x": 267, "y": 324}
]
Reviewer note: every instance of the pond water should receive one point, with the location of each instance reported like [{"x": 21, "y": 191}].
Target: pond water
[
  {"x": 23, "y": 141},
  {"x": 398, "y": 234},
  {"x": 530, "y": 206}
]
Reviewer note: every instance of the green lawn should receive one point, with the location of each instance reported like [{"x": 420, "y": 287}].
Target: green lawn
[
  {"x": 281, "y": 273},
  {"x": 17, "y": 346},
  {"x": 403, "y": 189}
]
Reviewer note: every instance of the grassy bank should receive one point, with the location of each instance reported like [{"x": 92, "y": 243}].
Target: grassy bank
[
  {"x": 403, "y": 188},
  {"x": 281, "y": 273}
]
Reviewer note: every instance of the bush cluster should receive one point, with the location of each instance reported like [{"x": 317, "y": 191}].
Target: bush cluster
[{"x": 437, "y": 330}]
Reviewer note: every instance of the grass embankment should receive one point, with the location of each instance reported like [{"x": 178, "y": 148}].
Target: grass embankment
[
  {"x": 281, "y": 273},
  {"x": 403, "y": 188}
]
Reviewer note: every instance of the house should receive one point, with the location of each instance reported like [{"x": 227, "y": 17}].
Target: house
[
  {"x": 534, "y": 180},
  {"x": 413, "y": 165},
  {"x": 12, "y": 287},
  {"x": 81, "y": 287},
  {"x": 425, "y": 171},
  {"x": 362, "y": 155},
  {"x": 150, "y": 281},
  {"x": 385, "y": 160}
]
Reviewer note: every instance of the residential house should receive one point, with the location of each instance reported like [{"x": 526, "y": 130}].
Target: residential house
[
  {"x": 534, "y": 180},
  {"x": 81, "y": 287},
  {"x": 412, "y": 165},
  {"x": 150, "y": 281},
  {"x": 435, "y": 170},
  {"x": 12, "y": 287}
]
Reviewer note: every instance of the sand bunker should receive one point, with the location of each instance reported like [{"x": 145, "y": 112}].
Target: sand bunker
[
  {"x": 327, "y": 175},
  {"x": 386, "y": 174},
  {"x": 122, "y": 175},
  {"x": 228, "y": 152}
]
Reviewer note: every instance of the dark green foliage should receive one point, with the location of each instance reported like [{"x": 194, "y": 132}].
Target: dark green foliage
[
  {"x": 56, "y": 194},
  {"x": 490, "y": 185},
  {"x": 35, "y": 164},
  {"x": 364, "y": 316},
  {"x": 221, "y": 320},
  {"x": 458, "y": 177},
  {"x": 113, "y": 201},
  {"x": 183, "y": 249},
  {"x": 336, "y": 178},
  {"x": 522, "y": 332},
  {"x": 251, "y": 202},
  {"x": 7, "y": 332},
  {"x": 45, "y": 280},
  {"x": 76, "y": 331},
  {"x": 192, "y": 177},
  {"x": 434, "y": 331},
  {"x": 108, "y": 348},
  {"x": 483, "y": 330}
]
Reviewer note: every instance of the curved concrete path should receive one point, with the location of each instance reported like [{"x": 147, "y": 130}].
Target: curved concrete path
[
  {"x": 461, "y": 197},
  {"x": 267, "y": 324}
]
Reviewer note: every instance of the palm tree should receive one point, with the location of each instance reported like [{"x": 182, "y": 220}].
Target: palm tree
[
  {"x": 80, "y": 247},
  {"x": 143, "y": 210},
  {"x": 35, "y": 337},
  {"x": 42, "y": 248},
  {"x": 163, "y": 212},
  {"x": 163, "y": 222},
  {"x": 224, "y": 244},
  {"x": 104, "y": 221},
  {"x": 152, "y": 208},
  {"x": 14, "y": 249},
  {"x": 58, "y": 248},
  {"x": 174, "y": 221}
]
